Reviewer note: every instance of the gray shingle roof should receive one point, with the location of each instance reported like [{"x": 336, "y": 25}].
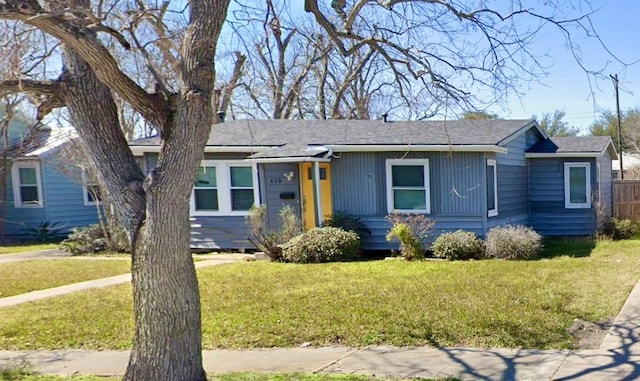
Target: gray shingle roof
[
  {"x": 41, "y": 141},
  {"x": 357, "y": 132},
  {"x": 572, "y": 144}
]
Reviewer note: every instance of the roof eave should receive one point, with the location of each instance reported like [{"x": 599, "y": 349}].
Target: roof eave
[
  {"x": 300, "y": 159},
  {"x": 416, "y": 147},
  {"x": 141, "y": 149},
  {"x": 542, "y": 155}
]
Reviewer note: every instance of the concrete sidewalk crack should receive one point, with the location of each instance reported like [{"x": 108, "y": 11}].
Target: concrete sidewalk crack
[
  {"x": 332, "y": 363},
  {"x": 566, "y": 356}
]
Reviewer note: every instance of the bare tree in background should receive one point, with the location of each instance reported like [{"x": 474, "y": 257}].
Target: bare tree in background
[{"x": 447, "y": 47}]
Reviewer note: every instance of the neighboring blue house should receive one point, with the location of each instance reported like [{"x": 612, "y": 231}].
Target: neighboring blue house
[
  {"x": 43, "y": 187},
  {"x": 464, "y": 174}
]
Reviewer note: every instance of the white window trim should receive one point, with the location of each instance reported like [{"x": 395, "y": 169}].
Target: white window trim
[
  {"x": 15, "y": 179},
  {"x": 223, "y": 185},
  {"x": 567, "y": 200},
  {"x": 492, "y": 163},
  {"x": 85, "y": 190},
  {"x": 427, "y": 184}
]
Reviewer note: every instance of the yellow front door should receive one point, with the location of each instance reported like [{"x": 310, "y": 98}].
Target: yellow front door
[{"x": 308, "y": 193}]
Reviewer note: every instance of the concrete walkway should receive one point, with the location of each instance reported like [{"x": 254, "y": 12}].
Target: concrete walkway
[
  {"x": 618, "y": 358},
  {"x": 29, "y": 255}
]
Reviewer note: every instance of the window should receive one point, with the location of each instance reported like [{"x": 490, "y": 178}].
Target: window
[
  {"x": 90, "y": 189},
  {"x": 577, "y": 185},
  {"x": 224, "y": 188},
  {"x": 27, "y": 188},
  {"x": 408, "y": 186},
  {"x": 492, "y": 188}
]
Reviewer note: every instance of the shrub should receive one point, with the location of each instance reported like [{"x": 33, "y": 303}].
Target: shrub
[
  {"x": 270, "y": 242},
  {"x": 325, "y": 244},
  {"x": 91, "y": 240},
  {"x": 46, "y": 231},
  {"x": 620, "y": 229},
  {"x": 458, "y": 245},
  {"x": 349, "y": 223},
  {"x": 513, "y": 242},
  {"x": 412, "y": 230}
]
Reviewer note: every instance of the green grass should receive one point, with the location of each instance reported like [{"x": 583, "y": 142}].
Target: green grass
[
  {"x": 15, "y": 249},
  {"x": 489, "y": 303},
  {"x": 38, "y": 274},
  {"x": 220, "y": 377}
]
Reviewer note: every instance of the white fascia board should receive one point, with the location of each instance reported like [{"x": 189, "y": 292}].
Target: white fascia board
[
  {"x": 422, "y": 148},
  {"x": 566, "y": 154},
  {"x": 267, "y": 160},
  {"x": 139, "y": 150}
]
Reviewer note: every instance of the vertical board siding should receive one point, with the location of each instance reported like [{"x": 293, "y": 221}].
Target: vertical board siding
[
  {"x": 456, "y": 182},
  {"x": 355, "y": 182},
  {"x": 548, "y": 216},
  {"x": 457, "y": 191},
  {"x": 273, "y": 184}
]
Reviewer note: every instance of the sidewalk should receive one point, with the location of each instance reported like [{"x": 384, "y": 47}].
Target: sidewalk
[{"x": 618, "y": 357}]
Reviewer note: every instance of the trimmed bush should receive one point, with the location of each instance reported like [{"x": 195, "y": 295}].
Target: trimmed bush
[
  {"x": 412, "y": 230},
  {"x": 458, "y": 245},
  {"x": 349, "y": 223},
  {"x": 325, "y": 244},
  {"x": 513, "y": 242},
  {"x": 91, "y": 240},
  {"x": 618, "y": 229},
  {"x": 270, "y": 242}
]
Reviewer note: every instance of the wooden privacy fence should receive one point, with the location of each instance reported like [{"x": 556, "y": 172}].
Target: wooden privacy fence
[{"x": 626, "y": 199}]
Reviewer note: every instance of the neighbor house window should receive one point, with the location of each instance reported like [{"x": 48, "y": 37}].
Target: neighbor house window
[
  {"x": 577, "y": 185},
  {"x": 90, "y": 189},
  {"x": 408, "y": 186},
  {"x": 27, "y": 186},
  {"x": 492, "y": 188},
  {"x": 224, "y": 187}
]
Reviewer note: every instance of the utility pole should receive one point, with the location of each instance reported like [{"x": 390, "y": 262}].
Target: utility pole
[{"x": 615, "y": 85}]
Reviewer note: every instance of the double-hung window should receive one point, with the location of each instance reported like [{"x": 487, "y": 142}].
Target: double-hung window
[
  {"x": 224, "y": 188},
  {"x": 408, "y": 185},
  {"x": 27, "y": 186},
  {"x": 90, "y": 189},
  {"x": 492, "y": 188},
  {"x": 577, "y": 185}
]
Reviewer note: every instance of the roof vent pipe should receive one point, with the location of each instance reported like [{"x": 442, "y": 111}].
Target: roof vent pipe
[
  {"x": 221, "y": 115},
  {"x": 384, "y": 117}
]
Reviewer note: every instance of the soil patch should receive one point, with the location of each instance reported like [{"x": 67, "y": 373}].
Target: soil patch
[{"x": 589, "y": 335}]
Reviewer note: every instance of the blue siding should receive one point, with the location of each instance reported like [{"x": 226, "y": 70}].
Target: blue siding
[
  {"x": 219, "y": 232},
  {"x": 64, "y": 199},
  {"x": 63, "y": 204},
  {"x": 458, "y": 199},
  {"x": 513, "y": 207},
  {"x": 17, "y": 220},
  {"x": 605, "y": 186},
  {"x": 548, "y": 216},
  {"x": 456, "y": 182},
  {"x": 515, "y": 154},
  {"x": 216, "y": 232}
]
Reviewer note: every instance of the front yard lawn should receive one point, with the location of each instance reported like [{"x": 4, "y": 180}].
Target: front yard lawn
[
  {"x": 15, "y": 249},
  {"x": 490, "y": 303},
  {"x": 39, "y": 274}
]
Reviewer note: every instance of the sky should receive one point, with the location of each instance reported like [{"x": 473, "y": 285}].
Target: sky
[{"x": 566, "y": 86}]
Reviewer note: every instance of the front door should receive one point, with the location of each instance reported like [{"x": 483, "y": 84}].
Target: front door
[{"x": 308, "y": 194}]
